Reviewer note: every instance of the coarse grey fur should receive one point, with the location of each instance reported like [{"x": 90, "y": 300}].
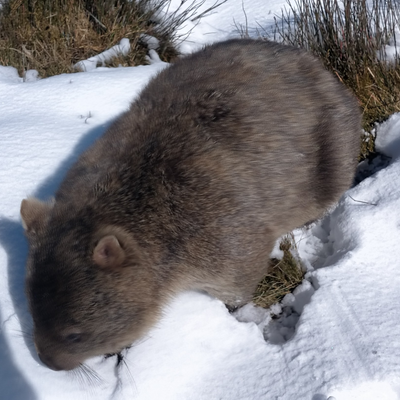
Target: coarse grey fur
[{"x": 222, "y": 153}]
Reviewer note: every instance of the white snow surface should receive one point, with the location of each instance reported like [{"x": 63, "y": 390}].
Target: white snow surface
[{"x": 337, "y": 336}]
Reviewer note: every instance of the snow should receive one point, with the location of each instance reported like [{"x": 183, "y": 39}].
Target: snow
[
  {"x": 337, "y": 337},
  {"x": 224, "y": 22},
  {"x": 391, "y": 49},
  {"x": 151, "y": 42},
  {"x": 123, "y": 48}
]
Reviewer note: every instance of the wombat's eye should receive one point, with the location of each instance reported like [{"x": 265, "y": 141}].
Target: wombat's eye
[{"x": 73, "y": 338}]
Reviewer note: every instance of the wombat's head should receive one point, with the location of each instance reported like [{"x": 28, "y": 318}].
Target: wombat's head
[{"x": 89, "y": 289}]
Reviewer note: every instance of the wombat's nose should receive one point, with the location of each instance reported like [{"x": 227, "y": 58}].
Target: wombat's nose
[{"x": 46, "y": 360}]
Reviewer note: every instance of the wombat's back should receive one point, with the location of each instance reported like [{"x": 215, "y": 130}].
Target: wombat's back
[{"x": 220, "y": 154}]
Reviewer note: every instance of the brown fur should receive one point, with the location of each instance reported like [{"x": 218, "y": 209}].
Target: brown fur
[{"x": 221, "y": 154}]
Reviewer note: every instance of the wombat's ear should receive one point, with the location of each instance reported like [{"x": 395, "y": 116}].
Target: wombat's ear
[
  {"x": 34, "y": 213},
  {"x": 108, "y": 253}
]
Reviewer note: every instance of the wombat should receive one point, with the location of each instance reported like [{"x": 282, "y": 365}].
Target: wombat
[{"x": 221, "y": 154}]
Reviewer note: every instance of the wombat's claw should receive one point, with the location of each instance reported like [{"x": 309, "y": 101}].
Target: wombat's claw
[
  {"x": 230, "y": 308},
  {"x": 119, "y": 355}
]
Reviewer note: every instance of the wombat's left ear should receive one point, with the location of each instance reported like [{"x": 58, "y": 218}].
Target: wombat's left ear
[
  {"x": 108, "y": 253},
  {"x": 34, "y": 214}
]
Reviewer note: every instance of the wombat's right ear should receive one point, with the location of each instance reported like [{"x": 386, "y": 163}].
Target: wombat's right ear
[
  {"x": 34, "y": 213},
  {"x": 108, "y": 253}
]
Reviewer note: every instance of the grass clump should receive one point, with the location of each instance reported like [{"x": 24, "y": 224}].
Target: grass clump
[
  {"x": 350, "y": 36},
  {"x": 53, "y": 35},
  {"x": 283, "y": 277}
]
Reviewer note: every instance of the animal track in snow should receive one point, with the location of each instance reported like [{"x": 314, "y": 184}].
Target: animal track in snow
[
  {"x": 319, "y": 245},
  {"x": 282, "y": 325}
]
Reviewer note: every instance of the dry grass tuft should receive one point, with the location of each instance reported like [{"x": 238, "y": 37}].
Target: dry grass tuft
[
  {"x": 53, "y": 35},
  {"x": 283, "y": 277}
]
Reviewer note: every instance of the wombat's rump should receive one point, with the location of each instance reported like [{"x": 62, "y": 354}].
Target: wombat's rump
[{"x": 221, "y": 154}]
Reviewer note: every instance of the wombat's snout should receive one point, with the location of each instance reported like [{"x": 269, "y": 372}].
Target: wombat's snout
[
  {"x": 49, "y": 362},
  {"x": 57, "y": 363}
]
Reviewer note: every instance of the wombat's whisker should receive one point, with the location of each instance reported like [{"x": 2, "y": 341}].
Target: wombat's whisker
[
  {"x": 87, "y": 375},
  {"x": 121, "y": 362},
  {"x": 78, "y": 374},
  {"x": 130, "y": 376},
  {"x": 22, "y": 333}
]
